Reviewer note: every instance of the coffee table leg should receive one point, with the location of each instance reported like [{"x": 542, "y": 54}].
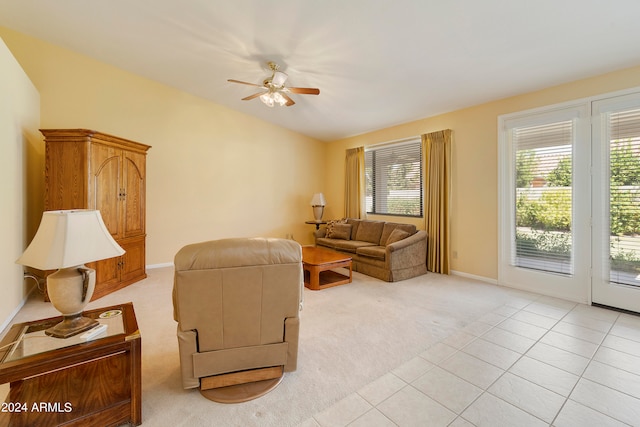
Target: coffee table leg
[{"x": 314, "y": 278}]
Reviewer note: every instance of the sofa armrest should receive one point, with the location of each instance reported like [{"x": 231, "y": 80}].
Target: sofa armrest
[
  {"x": 409, "y": 252},
  {"x": 417, "y": 237},
  {"x": 321, "y": 232}
]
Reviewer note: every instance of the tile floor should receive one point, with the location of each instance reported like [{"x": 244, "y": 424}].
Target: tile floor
[{"x": 527, "y": 363}]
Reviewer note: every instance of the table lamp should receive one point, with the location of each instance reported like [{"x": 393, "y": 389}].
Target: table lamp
[
  {"x": 318, "y": 203},
  {"x": 65, "y": 241}
]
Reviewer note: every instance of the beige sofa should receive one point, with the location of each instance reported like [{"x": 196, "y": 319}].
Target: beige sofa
[
  {"x": 386, "y": 250},
  {"x": 236, "y": 302}
]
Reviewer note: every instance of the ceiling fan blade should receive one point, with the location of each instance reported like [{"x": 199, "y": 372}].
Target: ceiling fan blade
[
  {"x": 290, "y": 101},
  {"x": 250, "y": 97},
  {"x": 243, "y": 83},
  {"x": 304, "y": 90}
]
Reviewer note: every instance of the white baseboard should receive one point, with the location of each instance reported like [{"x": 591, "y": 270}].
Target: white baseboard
[
  {"x": 535, "y": 290},
  {"x": 8, "y": 320},
  {"x": 161, "y": 265},
  {"x": 475, "y": 277}
]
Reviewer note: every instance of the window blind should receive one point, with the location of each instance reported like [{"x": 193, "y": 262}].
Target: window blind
[
  {"x": 393, "y": 178},
  {"x": 543, "y": 211},
  {"x": 624, "y": 197}
]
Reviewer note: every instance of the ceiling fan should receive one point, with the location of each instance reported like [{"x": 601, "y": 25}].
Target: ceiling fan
[{"x": 276, "y": 92}]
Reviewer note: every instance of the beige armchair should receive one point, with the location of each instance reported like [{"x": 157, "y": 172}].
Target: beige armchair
[{"x": 236, "y": 302}]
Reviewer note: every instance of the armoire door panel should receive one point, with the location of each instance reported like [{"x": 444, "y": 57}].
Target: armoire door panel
[
  {"x": 107, "y": 276},
  {"x": 133, "y": 260},
  {"x": 133, "y": 202},
  {"x": 107, "y": 186},
  {"x": 65, "y": 176}
]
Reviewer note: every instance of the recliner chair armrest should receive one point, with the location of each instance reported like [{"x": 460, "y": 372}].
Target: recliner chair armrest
[
  {"x": 187, "y": 346},
  {"x": 291, "y": 334}
]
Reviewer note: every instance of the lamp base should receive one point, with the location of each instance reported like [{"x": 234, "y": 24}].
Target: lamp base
[
  {"x": 70, "y": 326},
  {"x": 70, "y": 289},
  {"x": 318, "y": 210}
]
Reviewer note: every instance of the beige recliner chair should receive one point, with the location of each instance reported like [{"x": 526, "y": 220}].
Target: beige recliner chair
[{"x": 236, "y": 302}]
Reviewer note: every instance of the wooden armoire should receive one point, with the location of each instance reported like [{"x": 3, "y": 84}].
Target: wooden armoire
[{"x": 85, "y": 169}]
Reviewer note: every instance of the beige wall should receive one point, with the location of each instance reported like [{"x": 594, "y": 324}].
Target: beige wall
[
  {"x": 20, "y": 145},
  {"x": 212, "y": 172},
  {"x": 474, "y": 220}
]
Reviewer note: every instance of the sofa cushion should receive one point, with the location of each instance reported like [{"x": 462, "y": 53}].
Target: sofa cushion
[
  {"x": 325, "y": 241},
  {"x": 354, "y": 226},
  {"x": 390, "y": 226},
  {"x": 372, "y": 251},
  {"x": 397, "y": 235},
  {"x": 339, "y": 231},
  {"x": 342, "y": 245},
  {"x": 350, "y": 245},
  {"x": 331, "y": 224},
  {"x": 370, "y": 231}
]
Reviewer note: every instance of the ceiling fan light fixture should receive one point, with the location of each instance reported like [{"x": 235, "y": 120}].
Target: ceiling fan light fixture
[
  {"x": 267, "y": 99},
  {"x": 270, "y": 99},
  {"x": 277, "y": 97}
]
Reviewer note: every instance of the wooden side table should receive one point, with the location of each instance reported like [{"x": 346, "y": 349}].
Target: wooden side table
[
  {"x": 316, "y": 223},
  {"x": 71, "y": 381}
]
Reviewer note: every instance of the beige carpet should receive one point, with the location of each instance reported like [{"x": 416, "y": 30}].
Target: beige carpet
[{"x": 350, "y": 335}]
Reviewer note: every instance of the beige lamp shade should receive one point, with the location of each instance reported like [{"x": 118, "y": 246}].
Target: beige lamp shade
[
  {"x": 318, "y": 200},
  {"x": 65, "y": 241},
  {"x": 70, "y": 238}
]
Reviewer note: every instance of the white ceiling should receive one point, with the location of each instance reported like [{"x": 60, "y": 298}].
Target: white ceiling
[{"x": 377, "y": 63}]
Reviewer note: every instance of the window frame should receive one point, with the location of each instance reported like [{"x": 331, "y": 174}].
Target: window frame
[{"x": 375, "y": 207}]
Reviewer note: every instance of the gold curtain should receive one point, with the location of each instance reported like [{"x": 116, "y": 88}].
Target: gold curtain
[
  {"x": 436, "y": 148},
  {"x": 354, "y": 183}
]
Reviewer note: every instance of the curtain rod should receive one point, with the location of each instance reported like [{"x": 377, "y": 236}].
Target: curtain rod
[{"x": 395, "y": 141}]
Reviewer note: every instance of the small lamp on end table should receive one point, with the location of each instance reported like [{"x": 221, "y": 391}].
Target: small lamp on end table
[
  {"x": 318, "y": 203},
  {"x": 65, "y": 241}
]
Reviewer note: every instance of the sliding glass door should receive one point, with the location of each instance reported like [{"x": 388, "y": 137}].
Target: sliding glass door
[
  {"x": 616, "y": 193},
  {"x": 569, "y": 195},
  {"x": 544, "y": 193}
]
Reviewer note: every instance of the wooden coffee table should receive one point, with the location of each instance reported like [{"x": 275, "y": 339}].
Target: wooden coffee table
[{"x": 318, "y": 265}]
